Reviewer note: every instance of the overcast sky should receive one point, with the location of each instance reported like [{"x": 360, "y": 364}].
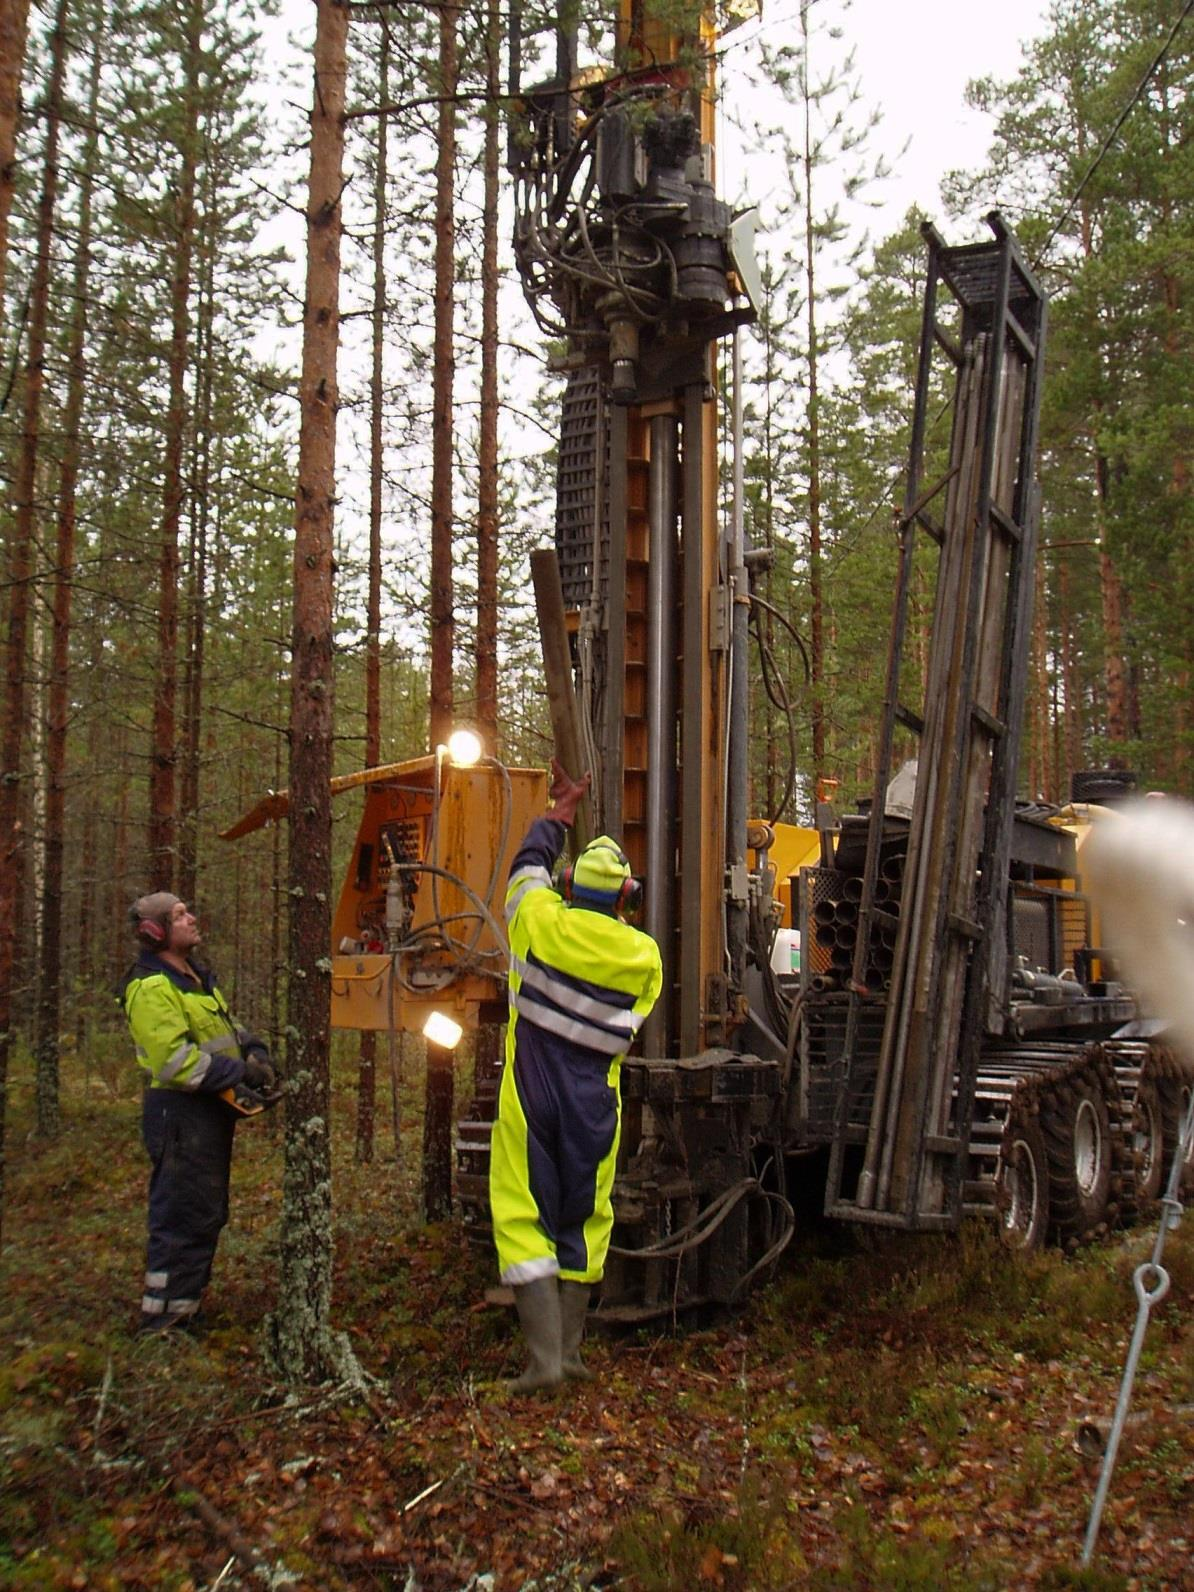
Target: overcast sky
[{"x": 913, "y": 61}]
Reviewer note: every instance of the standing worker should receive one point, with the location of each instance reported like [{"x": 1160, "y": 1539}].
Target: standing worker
[
  {"x": 582, "y": 980},
  {"x": 193, "y": 1053}
]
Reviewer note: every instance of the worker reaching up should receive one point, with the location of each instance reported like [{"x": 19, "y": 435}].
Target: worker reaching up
[{"x": 582, "y": 980}]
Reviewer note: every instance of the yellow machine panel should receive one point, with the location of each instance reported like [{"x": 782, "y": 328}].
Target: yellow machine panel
[
  {"x": 793, "y": 848},
  {"x": 419, "y": 923}
]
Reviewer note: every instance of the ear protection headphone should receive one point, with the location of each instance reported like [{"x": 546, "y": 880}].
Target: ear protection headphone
[
  {"x": 151, "y": 932},
  {"x": 628, "y": 902}
]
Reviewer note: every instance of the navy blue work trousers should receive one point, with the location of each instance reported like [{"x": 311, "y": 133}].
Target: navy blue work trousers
[{"x": 189, "y": 1140}]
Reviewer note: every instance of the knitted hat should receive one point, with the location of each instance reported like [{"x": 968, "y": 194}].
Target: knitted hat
[
  {"x": 151, "y": 916},
  {"x": 601, "y": 869}
]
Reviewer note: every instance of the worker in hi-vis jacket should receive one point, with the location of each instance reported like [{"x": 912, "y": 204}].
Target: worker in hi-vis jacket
[
  {"x": 194, "y": 1057},
  {"x": 582, "y": 980}
]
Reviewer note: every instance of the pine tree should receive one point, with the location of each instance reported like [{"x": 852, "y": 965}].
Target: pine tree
[
  {"x": 1099, "y": 198},
  {"x": 14, "y": 26},
  {"x": 304, "y": 1347},
  {"x": 50, "y": 959}
]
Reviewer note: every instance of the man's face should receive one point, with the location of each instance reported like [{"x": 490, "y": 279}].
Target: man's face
[{"x": 184, "y": 929}]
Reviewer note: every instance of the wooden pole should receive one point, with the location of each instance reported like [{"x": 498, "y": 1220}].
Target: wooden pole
[{"x": 557, "y": 670}]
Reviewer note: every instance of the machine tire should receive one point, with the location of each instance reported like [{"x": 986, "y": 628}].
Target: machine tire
[
  {"x": 1151, "y": 1131},
  {"x": 1172, "y": 1077},
  {"x": 1173, "y": 1128},
  {"x": 1077, "y": 1130},
  {"x": 1022, "y": 1181}
]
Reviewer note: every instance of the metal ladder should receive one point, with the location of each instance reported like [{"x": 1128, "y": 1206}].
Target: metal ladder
[{"x": 910, "y": 1110}]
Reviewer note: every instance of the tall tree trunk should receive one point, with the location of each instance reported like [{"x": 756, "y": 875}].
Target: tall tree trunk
[
  {"x": 1040, "y": 782},
  {"x": 163, "y": 752},
  {"x": 766, "y": 623},
  {"x": 442, "y": 616},
  {"x": 1070, "y": 685},
  {"x": 816, "y": 612},
  {"x": 487, "y": 489},
  {"x": 367, "y": 1071},
  {"x": 487, "y": 1040},
  {"x": 50, "y": 1001},
  {"x": 121, "y": 827},
  {"x": 196, "y": 628},
  {"x": 16, "y": 709},
  {"x": 88, "y": 874},
  {"x": 1111, "y": 591},
  {"x": 305, "y": 1347},
  {"x": 14, "y": 29},
  {"x": 439, "y": 1086}
]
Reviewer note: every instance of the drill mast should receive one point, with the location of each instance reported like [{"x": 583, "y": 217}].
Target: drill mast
[{"x": 628, "y": 256}]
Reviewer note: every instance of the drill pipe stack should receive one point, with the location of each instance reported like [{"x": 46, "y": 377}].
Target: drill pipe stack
[{"x": 835, "y": 924}]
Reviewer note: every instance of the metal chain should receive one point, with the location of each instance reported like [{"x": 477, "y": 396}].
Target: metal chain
[{"x": 1151, "y": 1282}]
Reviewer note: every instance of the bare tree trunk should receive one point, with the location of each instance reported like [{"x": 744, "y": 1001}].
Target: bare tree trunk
[
  {"x": 163, "y": 753},
  {"x": 14, "y": 28},
  {"x": 487, "y": 490},
  {"x": 118, "y": 931},
  {"x": 193, "y": 670},
  {"x": 50, "y": 1002},
  {"x": 816, "y": 610},
  {"x": 277, "y": 886},
  {"x": 1111, "y": 590},
  {"x": 305, "y": 1347},
  {"x": 1039, "y": 781},
  {"x": 437, "y": 1140},
  {"x": 771, "y": 751},
  {"x": 376, "y": 416},
  {"x": 88, "y": 874},
  {"x": 442, "y": 616},
  {"x": 1071, "y": 689},
  {"x": 21, "y": 575},
  {"x": 437, "y": 1134},
  {"x": 367, "y": 1071}
]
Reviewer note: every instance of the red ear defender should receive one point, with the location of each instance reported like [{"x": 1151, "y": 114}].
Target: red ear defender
[
  {"x": 151, "y": 930},
  {"x": 630, "y": 897}
]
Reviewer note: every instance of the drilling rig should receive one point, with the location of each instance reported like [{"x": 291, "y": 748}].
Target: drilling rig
[{"x": 948, "y": 1046}]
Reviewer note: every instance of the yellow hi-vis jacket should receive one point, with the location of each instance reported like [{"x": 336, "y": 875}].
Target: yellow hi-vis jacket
[
  {"x": 581, "y": 984},
  {"x": 184, "y": 1034}
]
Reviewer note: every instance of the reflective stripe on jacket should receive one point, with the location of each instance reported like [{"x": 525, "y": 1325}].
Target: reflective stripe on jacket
[
  {"x": 584, "y": 976},
  {"x": 184, "y": 1034},
  {"x": 581, "y": 983}
]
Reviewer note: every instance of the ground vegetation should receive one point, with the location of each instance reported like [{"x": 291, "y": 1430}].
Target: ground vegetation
[{"x": 889, "y": 1411}]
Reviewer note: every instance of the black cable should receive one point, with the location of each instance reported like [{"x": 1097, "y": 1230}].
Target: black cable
[
  {"x": 789, "y": 627},
  {"x": 771, "y": 674},
  {"x": 1110, "y": 138}
]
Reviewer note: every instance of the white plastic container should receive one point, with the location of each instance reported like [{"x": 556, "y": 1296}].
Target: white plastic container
[{"x": 785, "y": 953}]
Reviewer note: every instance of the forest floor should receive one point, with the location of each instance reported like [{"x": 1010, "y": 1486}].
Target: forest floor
[{"x": 890, "y": 1412}]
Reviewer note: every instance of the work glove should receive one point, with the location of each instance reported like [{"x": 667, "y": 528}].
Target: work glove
[
  {"x": 566, "y": 793},
  {"x": 259, "y": 1073}
]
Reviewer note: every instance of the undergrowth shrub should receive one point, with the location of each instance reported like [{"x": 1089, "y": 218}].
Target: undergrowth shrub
[
  {"x": 871, "y": 1563},
  {"x": 740, "y": 1545}
]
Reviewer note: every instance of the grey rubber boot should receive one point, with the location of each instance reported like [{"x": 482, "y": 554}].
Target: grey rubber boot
[
  {"x": 538, "y": 1305},
  {"x": 574, "y": 1302}
]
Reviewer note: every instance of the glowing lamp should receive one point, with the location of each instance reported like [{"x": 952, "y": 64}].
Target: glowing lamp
[
  {"x": 442, "y": 1031},
  {"x": 464, "y": 748}
]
